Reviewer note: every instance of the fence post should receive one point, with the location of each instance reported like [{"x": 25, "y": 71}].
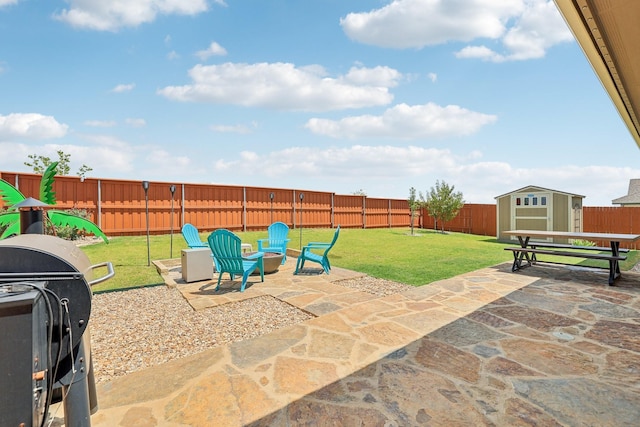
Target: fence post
[
  {"x": 244, "y": 208},
  {"x": 99, "y": 204},
  {"x": 301, "y": 197},
  {"x": 172, "y": 190},
  {"x": 333, "y": 213},
  {"x": 145, "y": 187},
  {"x": 364, "y": 212},
  {"x": 182, "y": 208},
  {"x": 293, "y": 211},
  {"x": 271, "y": 196}
]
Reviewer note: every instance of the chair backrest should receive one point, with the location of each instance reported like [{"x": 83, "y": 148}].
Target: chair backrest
[
  {"x": 226, "y": 248},
  {"x": 333, "y": 242},
  {"x": 278, "y": 232},
  {"x": 191, "y": 236}
]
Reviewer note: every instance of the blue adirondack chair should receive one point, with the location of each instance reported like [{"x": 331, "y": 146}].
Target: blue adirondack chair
[
  {"x": 228, "y": 253},
  {"x": 323, "y": 259},
  {"x": 191, "y": 236},
  {"x": 277, "y": 241}
]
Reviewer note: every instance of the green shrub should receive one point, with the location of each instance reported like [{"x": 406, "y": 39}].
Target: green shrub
[
  {"x": 73, "y": 233},
  {"x": 580, "y": 242}
]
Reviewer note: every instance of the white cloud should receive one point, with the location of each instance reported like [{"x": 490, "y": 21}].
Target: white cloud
[
  {"x": 121, "y": 155},
  {"x": 214, "y": 49},
  {"x": 162, "y": 159},
  {"x": 112, "y": 15},
  {"x": 125, "y": 159},
  {"x": 18, "y": 151},
  {"x": 241, "y": 129},
  {"x": 419, "y": 23},
  {"x": 526, "y": 28},
  {"x": 538, "y": 28},
  {"x": 123, "y": 88},
  {"x": 485, "y": 180},
  {"x": 389, "y": 171},
  {"x": 100, "y": 123},
  {"x": 479, "y": 52},
  {"x": 378, "y": 76},
  {"x": 433, "y": 77},
  {"x": 364, "y": 162},
  {"x": 172, "y": 55},
  {"x": 7, "y": 2},
  {"x": 405, "y": 122},
  {"x": 136, "y": 123},
  {"x": 31, "y": 126},
  {"x": 283, "y": 86}
]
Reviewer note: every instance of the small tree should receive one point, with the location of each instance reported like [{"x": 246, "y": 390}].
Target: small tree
[
  {"x": 83, "y": 171},
  {"x": 360, "y": 192},
  {"x": 414, "y": 205},
  {"x": 443, "y": 204},
  {"x": 39, "y": 164}
]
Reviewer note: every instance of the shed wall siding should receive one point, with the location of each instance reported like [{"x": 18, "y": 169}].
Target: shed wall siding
[
  {"x": 504, "y": 207},
  {"x": 560, "y": 212}
]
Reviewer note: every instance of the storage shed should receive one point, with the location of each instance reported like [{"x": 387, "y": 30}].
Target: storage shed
[{"x": 537, "y": 208}]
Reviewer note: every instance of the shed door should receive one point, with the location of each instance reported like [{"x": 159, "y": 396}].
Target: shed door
[{"x": 532, "y": 211}]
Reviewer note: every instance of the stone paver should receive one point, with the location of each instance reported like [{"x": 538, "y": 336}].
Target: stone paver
[{"x": 545, "y": 346}]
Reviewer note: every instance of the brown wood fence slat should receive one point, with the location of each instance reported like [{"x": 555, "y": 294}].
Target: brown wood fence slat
[
  {"x": 612, "y": 220},
  {"x": 477, "y": 219}
]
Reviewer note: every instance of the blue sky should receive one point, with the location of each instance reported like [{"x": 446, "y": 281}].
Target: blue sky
[{"x": 327, "y": 95}]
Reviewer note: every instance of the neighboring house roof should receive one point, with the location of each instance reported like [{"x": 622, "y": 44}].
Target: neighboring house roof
[
  {"x": 608, "y": 32},
  {"x": 633, "y": 195},
  {"x": 536, "y": 188}
]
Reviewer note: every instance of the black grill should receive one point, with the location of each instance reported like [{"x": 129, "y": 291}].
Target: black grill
[{"x": 45, "y": 306}]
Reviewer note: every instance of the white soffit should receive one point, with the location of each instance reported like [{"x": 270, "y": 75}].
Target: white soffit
[{"x": 609, "y": 33}]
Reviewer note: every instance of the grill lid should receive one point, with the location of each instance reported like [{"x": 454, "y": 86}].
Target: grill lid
[{"x": 58, "y": 265}]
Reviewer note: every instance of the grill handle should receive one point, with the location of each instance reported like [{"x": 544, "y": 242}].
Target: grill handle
[{"x": 109, "y": 275}]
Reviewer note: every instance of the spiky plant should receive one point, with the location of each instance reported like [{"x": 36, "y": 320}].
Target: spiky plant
[{"x": 11, "y": 196}]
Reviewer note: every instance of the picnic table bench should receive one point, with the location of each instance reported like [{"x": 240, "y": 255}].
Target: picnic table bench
[{"x": 528, "y": 250}]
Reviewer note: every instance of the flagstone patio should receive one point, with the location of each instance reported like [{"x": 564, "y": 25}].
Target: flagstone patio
[{"x": 549, "y": 345}]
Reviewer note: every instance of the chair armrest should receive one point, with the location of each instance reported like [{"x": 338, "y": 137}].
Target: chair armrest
[
  {"x": 257, "y": 255},
  {"x": 263, "y": 240},
  {"x": 317, "y": 245},
  {"x": 195, "y": 246}
]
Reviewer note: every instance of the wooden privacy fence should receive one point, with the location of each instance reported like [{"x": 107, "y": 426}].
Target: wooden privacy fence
[
  {"x": 477, "y": 219},
  {"x": 120, "y": 207},
  {"x": 612, "y": 220}
]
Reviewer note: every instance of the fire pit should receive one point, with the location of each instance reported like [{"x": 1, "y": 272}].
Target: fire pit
[{"x": 271, "y": 260}]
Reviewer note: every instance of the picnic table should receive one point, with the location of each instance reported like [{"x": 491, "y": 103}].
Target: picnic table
[{"x": 528, "y": 249}]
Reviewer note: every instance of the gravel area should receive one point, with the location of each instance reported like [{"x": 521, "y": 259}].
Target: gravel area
[
  {"x": 139, "y": 328},
  {"x": 372, "y": 285}
]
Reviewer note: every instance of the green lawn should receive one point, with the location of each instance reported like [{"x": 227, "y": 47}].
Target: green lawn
[{"x": 391, "y": 254}]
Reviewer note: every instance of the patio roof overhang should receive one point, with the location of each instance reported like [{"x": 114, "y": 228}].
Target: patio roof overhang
[{"x": 609, "y": 34}]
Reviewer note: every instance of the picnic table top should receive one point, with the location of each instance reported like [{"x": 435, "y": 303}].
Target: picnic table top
[{"x": 616, "y": 237}]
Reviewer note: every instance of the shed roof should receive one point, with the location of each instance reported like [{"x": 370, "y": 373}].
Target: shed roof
[
  {"x": 633, "y": 195},
  {"x": 536, "y": 188}
]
